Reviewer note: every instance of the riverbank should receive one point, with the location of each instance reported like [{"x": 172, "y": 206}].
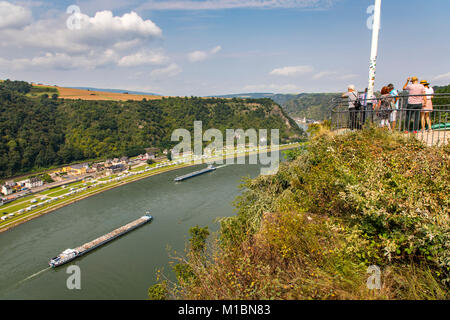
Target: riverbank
[{"x": 59, "y": 203}]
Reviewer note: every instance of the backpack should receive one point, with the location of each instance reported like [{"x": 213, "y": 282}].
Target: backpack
[{"x": 357, "y": 103}]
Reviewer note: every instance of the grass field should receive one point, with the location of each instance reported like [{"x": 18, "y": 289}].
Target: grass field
[{"x": 69, "y": 93}]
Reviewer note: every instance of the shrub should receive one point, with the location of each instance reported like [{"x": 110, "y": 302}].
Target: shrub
[{"x": 310, "y": 231}]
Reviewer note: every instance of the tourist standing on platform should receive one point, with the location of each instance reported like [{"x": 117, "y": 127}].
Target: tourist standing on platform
[
  {"x": 416, "y": 100},
  {"x": 384, "y": 107},
  {"x": 394, "y": 93},
  {"x": 427, "y": 107},
  {"x": 352, "y": 96},
  {"x": 363, "y": 99}
]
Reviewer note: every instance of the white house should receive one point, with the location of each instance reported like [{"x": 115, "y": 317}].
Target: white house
[
  {"x": 33, "y": 183},
  {"x": 149, "y": 156},
  {"x": 7, "y": 190}
]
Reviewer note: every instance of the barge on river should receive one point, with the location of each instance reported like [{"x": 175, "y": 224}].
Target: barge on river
[
  {"x": 195, "y": 173},
  {"x": 71, "y": 254}
]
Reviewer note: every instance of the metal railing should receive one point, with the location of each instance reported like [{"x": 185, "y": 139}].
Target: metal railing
[{"x": 432, "y": 127}]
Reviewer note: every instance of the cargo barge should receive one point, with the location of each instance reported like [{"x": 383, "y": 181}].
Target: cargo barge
[
  {"x": 71, "y": 254},
  {"x": 194, "y": 174}
]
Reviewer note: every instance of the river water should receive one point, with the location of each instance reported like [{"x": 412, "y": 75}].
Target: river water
[{"x": 126, "y": 267}]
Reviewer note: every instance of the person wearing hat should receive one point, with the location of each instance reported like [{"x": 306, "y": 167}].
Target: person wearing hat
[
  {"x": 352, "y": 96},
  {"x": 416, "y": 100},
  {"x": 428, "y": 106}
]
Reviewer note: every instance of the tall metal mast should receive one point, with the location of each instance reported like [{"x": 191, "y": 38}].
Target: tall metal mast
[{"x": 374, "y": 51}]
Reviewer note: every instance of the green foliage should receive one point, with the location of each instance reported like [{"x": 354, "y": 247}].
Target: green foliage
[
  {"x": 313, "y": 129},
  {"x": 293, "y": 154},
  {"x": 47, "y": 90},
  {"x": 443, "y": 101},
  {"x": 395, "y": 192},
  {"x": 46, "y": 178},
  {"x": 184, "y": 273},
  {"x": 310, "y": 231},
  {"x": 133, "y": 151},
  {"x": 158, "y": 291},
  {"x": 17, "y": 86},
  {"x": 41, "y": 132},
  {"x": 310, "y": 105},
  {"x": 198, "y": 238}
]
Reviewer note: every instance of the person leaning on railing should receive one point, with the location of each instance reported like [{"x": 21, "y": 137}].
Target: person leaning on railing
[
  {"x": 385, "y": 106},
  {"x": 393, "y": 117},
  {"x": 416, "y": 100},
  {"x": 428, "y": 106},
  {"x": 352, "y": 96}
]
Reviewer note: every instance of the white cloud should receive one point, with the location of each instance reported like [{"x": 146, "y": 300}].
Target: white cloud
[
  {"x": 324, "y": 74},
  {"x": 196, "y": 56},
  {"x": 100, "y": 31},
  {"x": 104, "y": 21},
  {"x": 215, "y": 49},
  {"x": 445, "y": 76},
  {"x": 233, "y": 4},
  {"x": 143, "y": 58},
  {"x": 333, "y": 75},
  {"x": 292, "y": 71},
  {"x": 274, "y": 87},
  {"x": 61, "y": 61},
  {"x": 348, "y": 76},
  {"x": 13, "y": 16},
  {"x": 169, "y": 71},
  {"x": 91, "y": 60},
  {"x": 103, "y": 39}
]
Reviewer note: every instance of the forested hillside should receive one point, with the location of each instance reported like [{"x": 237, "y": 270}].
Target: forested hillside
[
  {"x": 315, "y": 106},
  {"x": 45, "y": 131},
  {"x": 310, "y": 105}
]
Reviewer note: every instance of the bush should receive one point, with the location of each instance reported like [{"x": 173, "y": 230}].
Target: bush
[
  {"x": 311, "y": 231},
  {"x": 158, "y": 291}
]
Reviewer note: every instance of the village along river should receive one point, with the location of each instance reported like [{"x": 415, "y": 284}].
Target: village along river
[{"x": 126, "y": 267}]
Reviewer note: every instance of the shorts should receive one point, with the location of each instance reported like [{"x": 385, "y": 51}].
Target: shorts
[
  {"x": 428, "y": 107},
  {"x": 393, "y": 116}
]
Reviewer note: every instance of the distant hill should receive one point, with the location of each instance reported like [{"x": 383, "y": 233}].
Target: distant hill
[
  {"x": 116, "y": 91},
  {"x": 315, "y": 106},
  {"x": 253, "y": 95},
  {"x": 304, "y": 105}
]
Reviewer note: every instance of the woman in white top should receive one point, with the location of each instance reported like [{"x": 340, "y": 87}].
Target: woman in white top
[{"x": 428, "y": 106}]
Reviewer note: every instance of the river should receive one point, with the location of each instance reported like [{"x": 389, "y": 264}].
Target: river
[{"x": 126, "y": 267}]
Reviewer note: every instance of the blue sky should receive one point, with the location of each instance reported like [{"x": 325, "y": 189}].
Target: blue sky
[{"x": 206, "y": 47}]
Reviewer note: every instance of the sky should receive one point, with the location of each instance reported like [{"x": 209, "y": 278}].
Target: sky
[{"x": 213, "y": 47}]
